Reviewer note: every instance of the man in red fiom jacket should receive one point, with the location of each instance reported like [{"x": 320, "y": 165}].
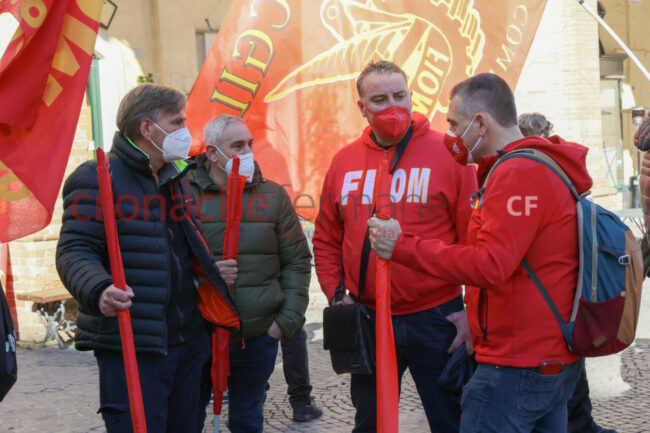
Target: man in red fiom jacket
[
  {"x": 430, "y": 195},
  {"x": 526, "y": 373}
]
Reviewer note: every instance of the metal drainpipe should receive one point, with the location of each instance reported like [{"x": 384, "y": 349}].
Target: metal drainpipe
[{"x": 95, "y": 104}]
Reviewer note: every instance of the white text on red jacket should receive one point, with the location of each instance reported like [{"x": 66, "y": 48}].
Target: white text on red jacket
[{"x": 415, "y": 185}]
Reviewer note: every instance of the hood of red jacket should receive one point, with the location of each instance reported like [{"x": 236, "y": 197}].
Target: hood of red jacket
[{"x": 572, "y": 157}]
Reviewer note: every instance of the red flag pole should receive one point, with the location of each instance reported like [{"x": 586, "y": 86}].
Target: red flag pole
[
  {"x": 123, "y": 316},
  {"x": 387, "y": 384},
  {"x": 220, "y": 369}
]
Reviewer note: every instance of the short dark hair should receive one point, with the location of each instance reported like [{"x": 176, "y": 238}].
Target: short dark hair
[
  {"x": 382, "y": 67},
  {"x": 535, "y": 124},
  {"x": 147, "y": 101},
  {"x": 487, "y": 92}
]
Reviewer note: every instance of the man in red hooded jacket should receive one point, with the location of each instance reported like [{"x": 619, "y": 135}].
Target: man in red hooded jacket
[
  {"x": 579, "y": 405},
  {"x": 526, "y": 373},
  {"x": 430, "y": 194}
]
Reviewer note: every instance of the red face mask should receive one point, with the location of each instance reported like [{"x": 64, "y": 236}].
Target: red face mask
[
  {"x": 457, "y": 148},
  {"x": 391, "y": 122}
]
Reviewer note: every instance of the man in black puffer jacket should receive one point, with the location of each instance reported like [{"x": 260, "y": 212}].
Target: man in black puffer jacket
[{"x": 166, "y": 264}]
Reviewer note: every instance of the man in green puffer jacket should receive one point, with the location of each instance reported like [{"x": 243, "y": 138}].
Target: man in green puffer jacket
[{"x": 269, "y": 279}]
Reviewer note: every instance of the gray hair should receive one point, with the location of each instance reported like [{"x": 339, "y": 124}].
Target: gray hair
[
  {"x": 213, "y": 132},
  {"x": 535, "y": 124}
]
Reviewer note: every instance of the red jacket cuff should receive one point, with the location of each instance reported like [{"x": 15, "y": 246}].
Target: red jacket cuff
[{"x": 404, "y": 248}]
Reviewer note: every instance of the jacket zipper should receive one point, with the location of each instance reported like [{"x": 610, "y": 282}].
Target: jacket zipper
[
  {"x": 168, "y": 294},
  {"x": 179, "y": 283},
  {"x": 178, "y": 307}
]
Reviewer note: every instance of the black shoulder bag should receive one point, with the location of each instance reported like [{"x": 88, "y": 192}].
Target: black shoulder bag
[{"x": 347, "y": 330}]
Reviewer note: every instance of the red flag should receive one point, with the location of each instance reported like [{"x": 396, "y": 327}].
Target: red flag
[
  {"x": 123, "y": 316},
  {"x": 27, "y": 59},
  {"x": 220, "y": 369},
  {"x": 43, "y": 76},
  {"x": 290, "y": 67},
  {"x": 28, "y": 17},
  {"x": 387, "y": 383},
  {"x": 236, "y": 184}
]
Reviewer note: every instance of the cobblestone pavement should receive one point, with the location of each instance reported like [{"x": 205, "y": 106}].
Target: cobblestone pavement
[{"x": 57, "y": 389}]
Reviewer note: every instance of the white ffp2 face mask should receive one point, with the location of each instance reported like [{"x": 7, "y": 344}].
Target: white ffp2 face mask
[
  {"x": 176, "y": 144},
  {"x": 246, "y": 165}
]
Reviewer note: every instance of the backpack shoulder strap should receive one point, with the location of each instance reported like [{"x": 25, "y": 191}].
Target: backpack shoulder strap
[
  {"x": 536, "y": 155},
  {"x": 567, "y": 328}
]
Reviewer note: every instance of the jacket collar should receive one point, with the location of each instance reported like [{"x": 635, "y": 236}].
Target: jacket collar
[
  {"x": 570, "y": 156},
  {"x": 200, "y": 175},
  {"x": 486, "y": 162},
  {"x": 137, "y": 160}
]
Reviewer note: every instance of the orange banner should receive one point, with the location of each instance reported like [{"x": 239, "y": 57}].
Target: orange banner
[
  {"x": 288, "y": 67},
  {"x": 50, "y": 68}
]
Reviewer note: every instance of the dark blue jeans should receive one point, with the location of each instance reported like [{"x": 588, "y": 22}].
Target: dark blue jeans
[
  {"x": 517, "y": 400},
  {"x": 250, "y": 369},
  {"x": 421, "y": 343},
  {"x": 170, "y": 387}
]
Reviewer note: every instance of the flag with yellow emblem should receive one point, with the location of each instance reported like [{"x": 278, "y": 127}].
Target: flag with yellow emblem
[
  {"x": 44, "y": 68},
  {"x": 288, "y": 67}
]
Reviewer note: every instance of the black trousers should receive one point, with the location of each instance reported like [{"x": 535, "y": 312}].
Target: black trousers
[
  {"x": 295, "y": 364},
  {"x": 170, "y": 387},
  {"x": 421, "y": 343}
]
